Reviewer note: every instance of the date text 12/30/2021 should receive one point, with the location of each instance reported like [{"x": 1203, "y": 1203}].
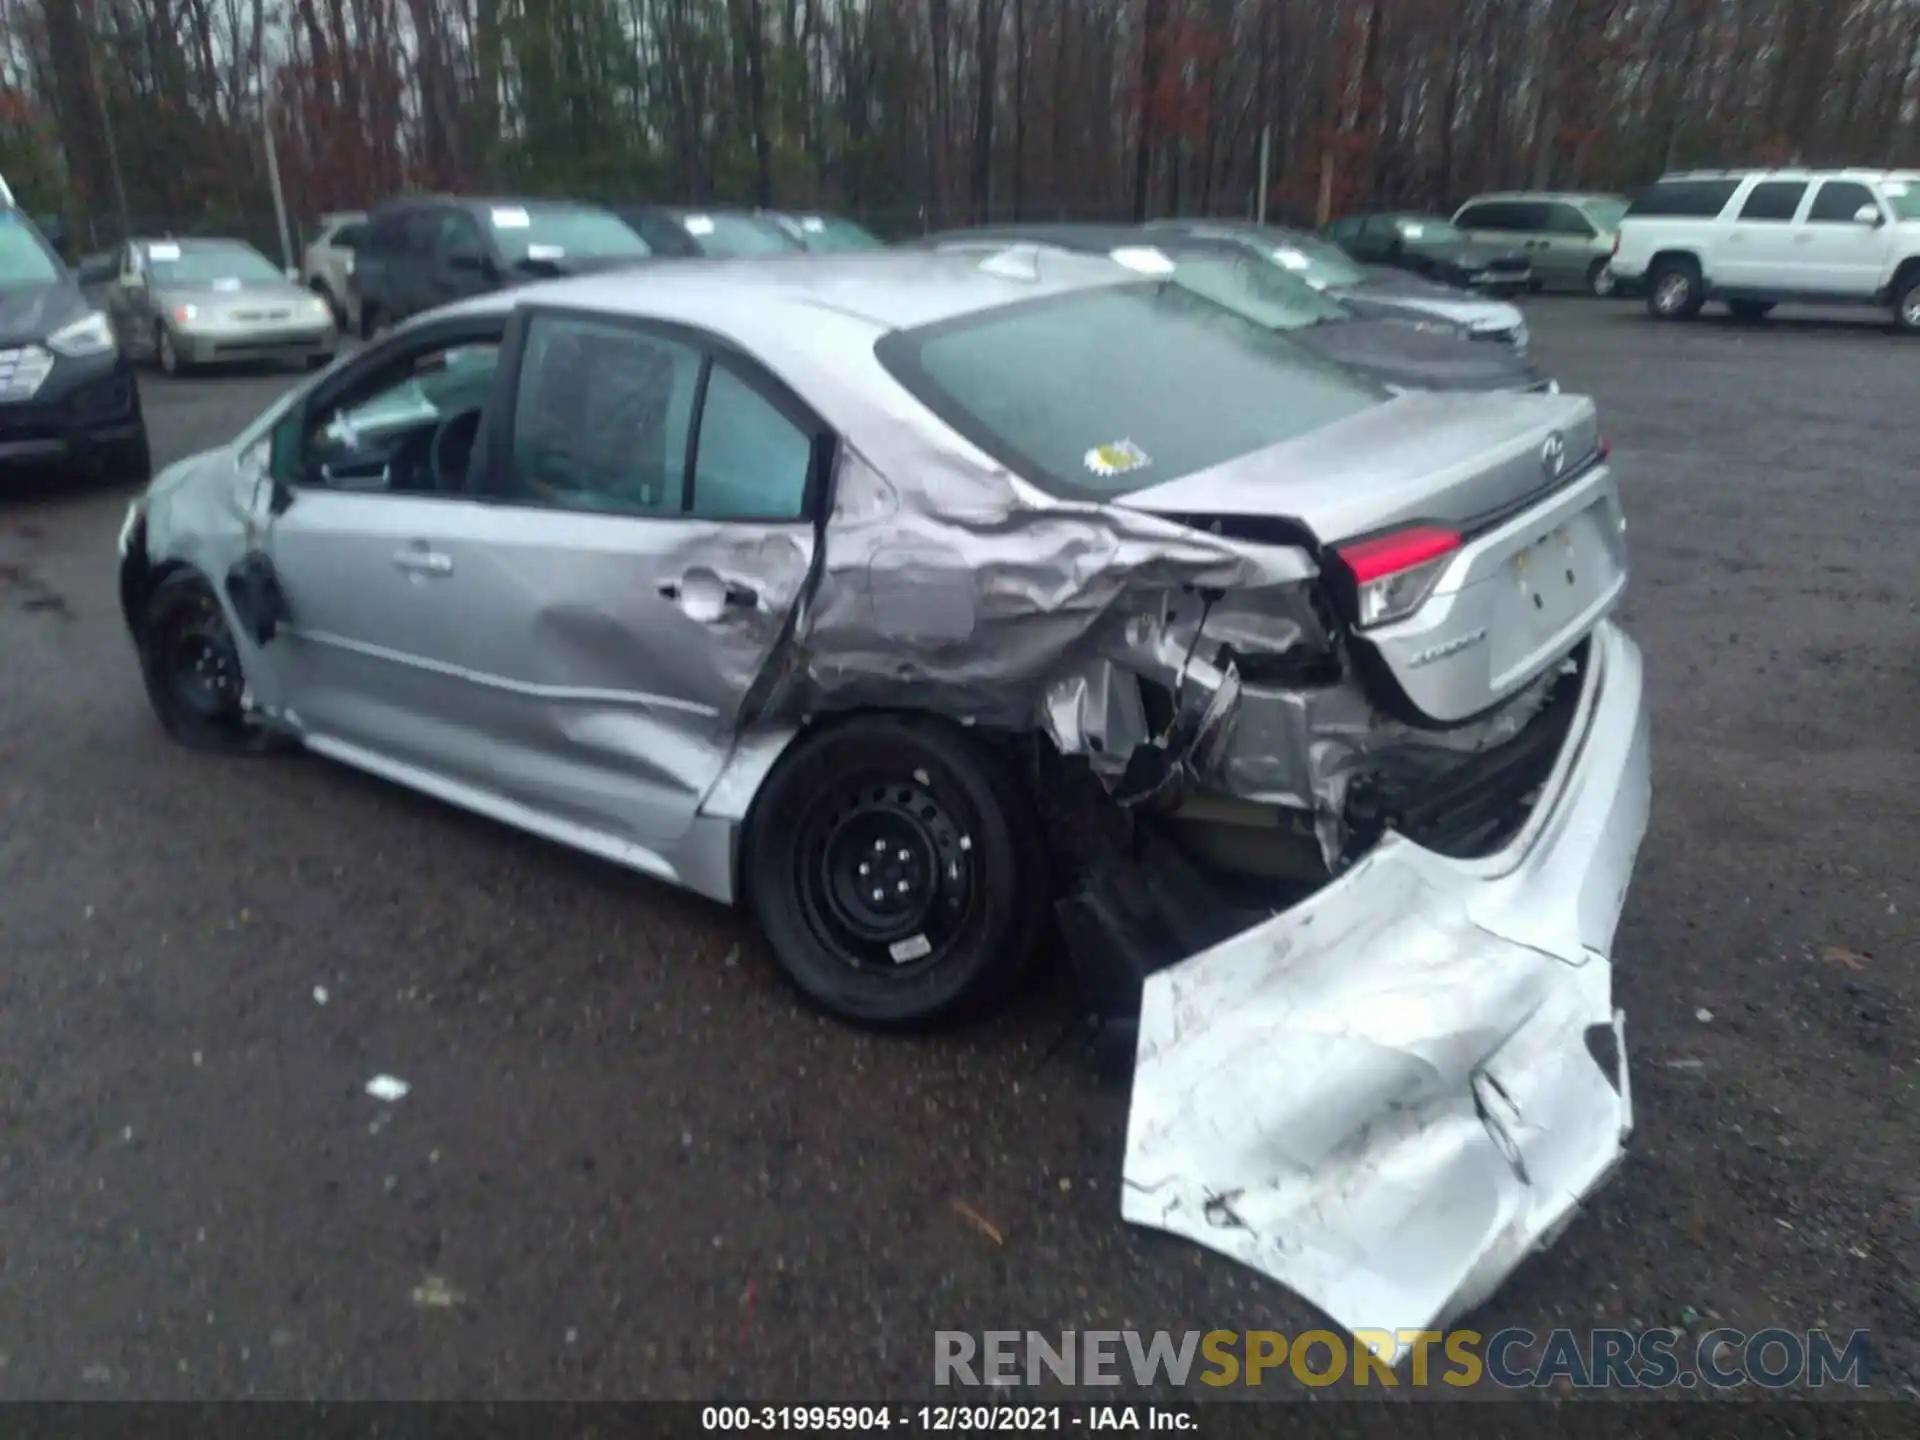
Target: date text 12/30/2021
[{"x": 943, "y": 1419}]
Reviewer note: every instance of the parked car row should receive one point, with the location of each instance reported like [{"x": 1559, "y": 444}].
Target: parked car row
[{"x": 414, "y": 253}]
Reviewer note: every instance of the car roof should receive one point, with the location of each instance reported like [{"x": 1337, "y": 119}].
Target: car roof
[
  {"x": 1570, "y": 197},
  {"x": 401, "y": 203},
  {"x": 884, "y": 290},
  {"x": 194, "y": 242},
  {"x": 1787, "y": 172},
  {"x": 1085, "y": 237}
]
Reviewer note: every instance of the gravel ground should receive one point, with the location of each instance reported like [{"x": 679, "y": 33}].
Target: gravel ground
[{"x": 630, "y": 1164}]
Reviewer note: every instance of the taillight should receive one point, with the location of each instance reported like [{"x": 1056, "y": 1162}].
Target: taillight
[
  {"x": 1393, "y": 574},
  {"x": 1605, "y": 447},
  {"x": 1616, "y": 243}
]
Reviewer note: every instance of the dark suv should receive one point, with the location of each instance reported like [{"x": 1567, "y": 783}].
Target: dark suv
[
  {"x": 425, "y": 251},
  {"x": 67, "y": 393}
]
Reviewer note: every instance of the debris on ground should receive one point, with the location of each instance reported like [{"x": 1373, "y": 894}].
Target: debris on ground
[
  {"x": 979, "y": 1222},
  {"x": 436, "y": 1294},
  {"x": 319, "y": 994},
  {"x": 1840, "y": 955},
  {"x": 1703, "y": 1015},
  {"x": 388, "y": 1087}
]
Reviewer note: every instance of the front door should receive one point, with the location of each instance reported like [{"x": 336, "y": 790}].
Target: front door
[
  {"x": 130, "y": 307},
  {"x": 374, "y": 560},
  {"x": 650, "y": 533},
  {"x": 1844, "y": 253}
]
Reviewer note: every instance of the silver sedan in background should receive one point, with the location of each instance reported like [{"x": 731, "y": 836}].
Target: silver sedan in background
[{"x": 184, "y": 303}]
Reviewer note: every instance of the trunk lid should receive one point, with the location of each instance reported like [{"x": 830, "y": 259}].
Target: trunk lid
[{"x": 1543, "y": 557}]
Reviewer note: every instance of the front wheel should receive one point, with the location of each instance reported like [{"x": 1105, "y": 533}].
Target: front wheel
[
  {"x": 1906, "y": 305},
  {"x": 897, "y": 871},
  {"x": 192, "y": 668}
]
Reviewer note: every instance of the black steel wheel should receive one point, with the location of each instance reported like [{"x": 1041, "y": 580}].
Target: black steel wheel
[
  {"x": 192, "y": 668},
  {"x": 896, "y": 870}
]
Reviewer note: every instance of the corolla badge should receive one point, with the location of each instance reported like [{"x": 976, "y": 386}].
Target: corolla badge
[{"x": 1553, "y": 456}]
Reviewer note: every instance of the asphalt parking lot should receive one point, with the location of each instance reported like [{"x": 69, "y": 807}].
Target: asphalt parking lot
[{"x": 630, "y": 1164}]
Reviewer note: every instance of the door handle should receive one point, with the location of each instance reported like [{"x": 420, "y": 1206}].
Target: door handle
[
  {"x": 704, "y": 597},
  {"x": 728, "y": 594},
  {"x": 418, "y": 560}
]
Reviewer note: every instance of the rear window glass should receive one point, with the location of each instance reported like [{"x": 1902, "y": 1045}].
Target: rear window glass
[
  {"x": 1108, "y": 391},
  {"x": 1689, "y": 199}
]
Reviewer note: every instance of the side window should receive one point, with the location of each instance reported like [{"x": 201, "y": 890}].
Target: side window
[
  {"x": 1685, "y": 199},
  {"x": 1481, "y": 217},
  {"x": 422, "y": 231},
  {"x": 752, "y": 461},
  {"x": 1563, "y": 219},
  {"x": 602, "y": 417},
  {"x": 382, "y": 432},
  {"x": 1838, "y": 200},
  {"x": 1776, "y": 200},
  {"x": 457, "y": 238},
  {"x": 349, "y": 237}
]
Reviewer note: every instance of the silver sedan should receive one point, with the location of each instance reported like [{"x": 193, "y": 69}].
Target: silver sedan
[
  {"x": 908, "y": 598},
  {"x": 185, "y": 303}
]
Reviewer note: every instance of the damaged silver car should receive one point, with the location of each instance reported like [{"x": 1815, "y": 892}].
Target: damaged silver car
[{"x": 932, "y": 606}]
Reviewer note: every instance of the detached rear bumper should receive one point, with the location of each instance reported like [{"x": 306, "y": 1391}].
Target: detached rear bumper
[{"x": 1390, "y": 1095}]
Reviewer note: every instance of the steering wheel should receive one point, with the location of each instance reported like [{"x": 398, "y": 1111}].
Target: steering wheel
[{"x": 452, "y": 449}]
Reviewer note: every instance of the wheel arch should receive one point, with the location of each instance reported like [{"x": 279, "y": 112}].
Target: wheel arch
[
  {"x": 1906, "y": 271},
  {"x": 1673, "y": 255}
]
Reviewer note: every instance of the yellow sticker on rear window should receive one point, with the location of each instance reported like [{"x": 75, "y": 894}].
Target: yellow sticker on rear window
[{"x": 1117, "y": 458}]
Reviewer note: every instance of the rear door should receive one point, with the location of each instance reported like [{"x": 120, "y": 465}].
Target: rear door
[
  {"x": 650, "y": 529},
  {"x": 1489, "y": 222},
  {"x": 1763, "y": 250},
  {"x": 1564, "y": 245}
]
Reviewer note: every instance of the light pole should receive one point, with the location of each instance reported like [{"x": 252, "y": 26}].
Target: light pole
[
  {"x": 113, "y": 150},
  {"x": 273, "y": 173}
]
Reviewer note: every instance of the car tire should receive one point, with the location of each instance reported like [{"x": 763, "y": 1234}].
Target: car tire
[
  {"x": 1906, "y": 305},
  {"x": 166, "y": 356},
  {"x": 897, "y": 871},
  {"x": 1674, "y": 290},
  {"x": 1600, "y": 281},
  {"x": 1750, "y": 311},
  {"x": 192, "y": 669}
]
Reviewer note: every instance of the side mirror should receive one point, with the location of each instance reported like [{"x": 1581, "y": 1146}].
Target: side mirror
[{"x": 1869, "y": 215}]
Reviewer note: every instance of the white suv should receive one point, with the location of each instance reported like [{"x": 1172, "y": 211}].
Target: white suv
[{"x": 1753, "y": 238}]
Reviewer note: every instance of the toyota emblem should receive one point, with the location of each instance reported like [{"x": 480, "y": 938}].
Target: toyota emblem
[{"x": 1553, "y": 455}]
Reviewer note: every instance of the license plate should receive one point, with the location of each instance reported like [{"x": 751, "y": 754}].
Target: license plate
[{"x": 1549, "y": 574}]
